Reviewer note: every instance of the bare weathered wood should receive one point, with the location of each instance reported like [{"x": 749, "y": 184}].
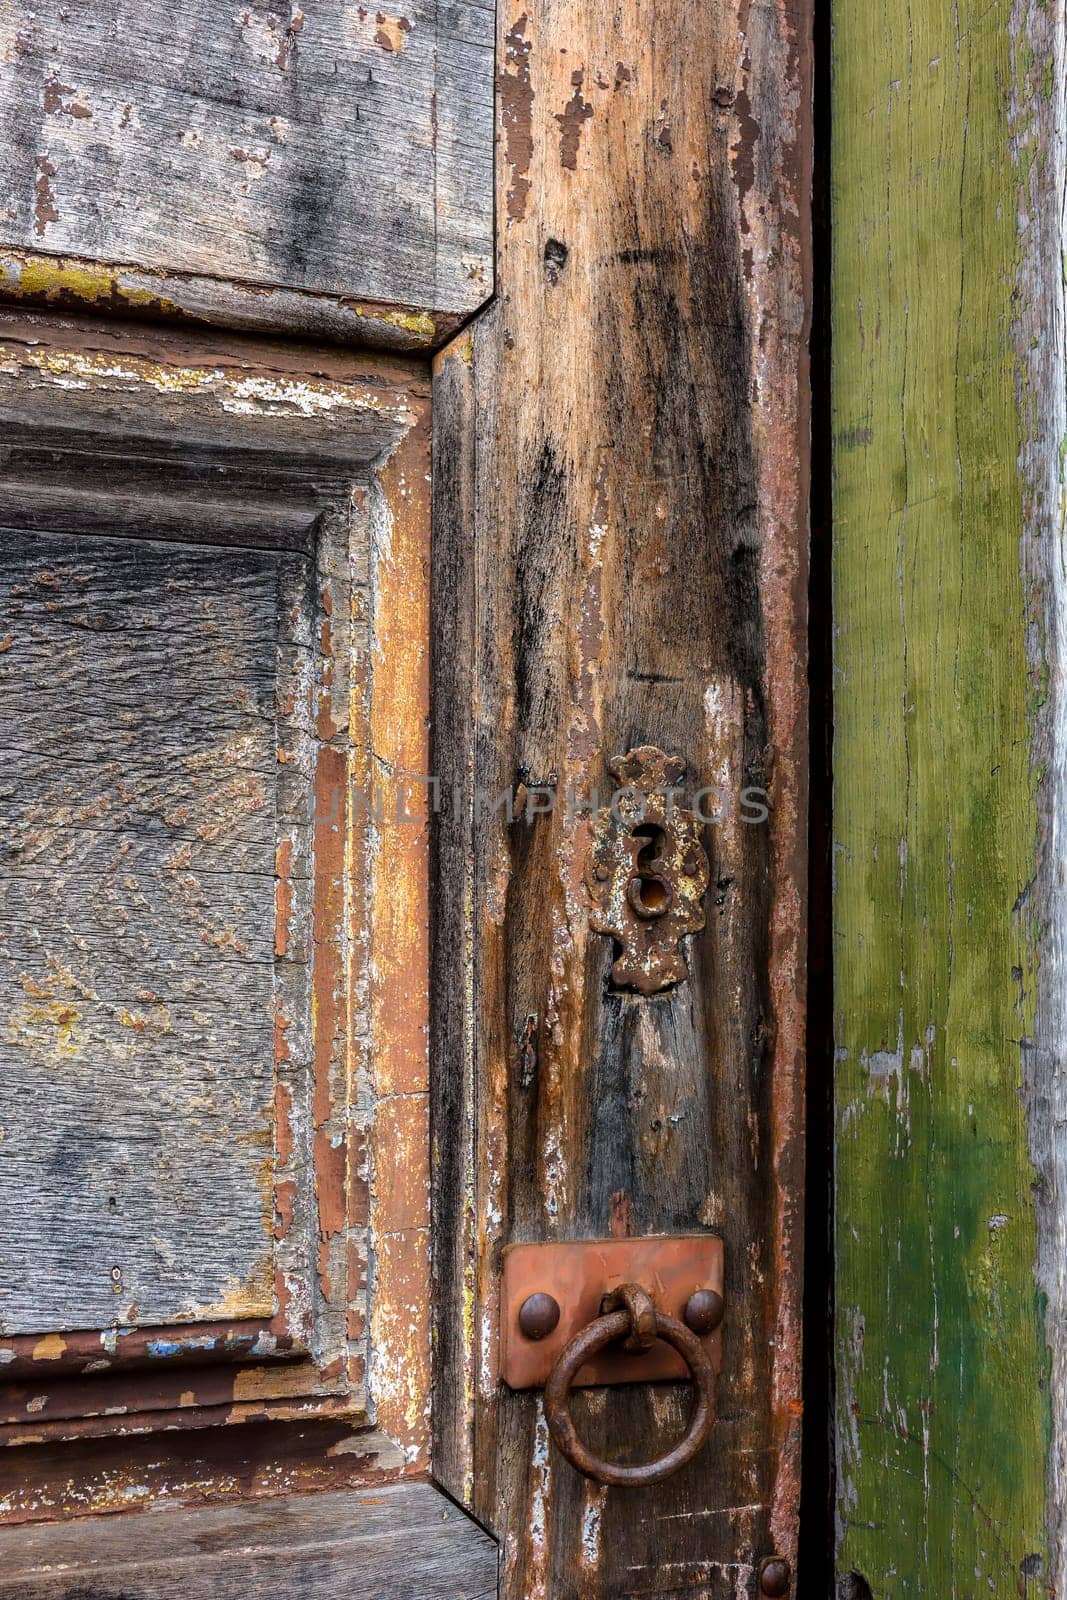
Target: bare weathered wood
[
  {"x": 395, "y": 1542},
  {"x": 1039, "y": 305},
  {"x": 336, "y": 150},
  {"x": 620, "y": 492},
  {"x": 137, "y": 825}
]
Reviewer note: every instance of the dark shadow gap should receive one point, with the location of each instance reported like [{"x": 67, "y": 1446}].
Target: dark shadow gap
[{"x": 815, "y": 1577}]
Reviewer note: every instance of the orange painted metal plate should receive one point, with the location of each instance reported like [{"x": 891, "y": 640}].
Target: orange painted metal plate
[{"x": 578, "y": 1273}]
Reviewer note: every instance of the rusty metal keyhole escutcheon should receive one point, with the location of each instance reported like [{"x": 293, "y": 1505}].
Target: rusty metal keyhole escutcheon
[
  {"x": 647, "y": 872},
  {"x": 629, "y": 1314}
]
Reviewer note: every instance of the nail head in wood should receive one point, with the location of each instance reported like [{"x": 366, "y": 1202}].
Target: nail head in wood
[{"x": 774, "y": 1576}]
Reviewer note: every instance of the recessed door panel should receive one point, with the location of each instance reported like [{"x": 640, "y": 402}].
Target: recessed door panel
[
  {"x": 138, "y": 814},
  {"x": 212, "y": 580}
]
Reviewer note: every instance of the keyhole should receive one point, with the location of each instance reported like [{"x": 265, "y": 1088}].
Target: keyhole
[
  {"x": 649, "y": 894},
  {"x": 653, "y": 895},
  {"x": 653, "y": 847}
]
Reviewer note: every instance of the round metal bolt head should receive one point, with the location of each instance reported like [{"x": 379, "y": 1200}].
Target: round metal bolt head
[
  {"x": 774, "y": 1577},
  {"x": 538, "y": 1315},
  {"x": 703, "y": 1313}
]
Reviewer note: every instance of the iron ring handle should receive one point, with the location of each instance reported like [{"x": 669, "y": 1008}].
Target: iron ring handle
[{"x": 593, "y": 1338}]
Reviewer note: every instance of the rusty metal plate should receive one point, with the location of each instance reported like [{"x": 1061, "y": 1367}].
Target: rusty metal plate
[{"x": 577, "y": 1274}]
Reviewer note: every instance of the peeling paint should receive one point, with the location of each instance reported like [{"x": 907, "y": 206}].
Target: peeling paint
[
  {"x": 269, "y": 37},
  {"x": 576, "y": 112},
  {"x": 44, "y": 211},
  {"x": 69, "y": 280},
  {"x": 386, "y": 32},
  {"x": 49, "y": 1348},
  {"x": 254, "y": 162},
  {"x": 419, "y": 322},
  {"x": 53, "y": 102},
  {"x": 516, "y": 111}
]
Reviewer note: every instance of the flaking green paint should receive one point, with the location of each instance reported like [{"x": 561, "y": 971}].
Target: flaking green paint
[{"x": 941, "y": 1361}]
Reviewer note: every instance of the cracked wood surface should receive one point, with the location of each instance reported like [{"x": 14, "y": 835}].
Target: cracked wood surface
[
  {"x": 137, "y": 924},
  {"x": 338, "y": 153},
  {"x": 620, "y": 559}
]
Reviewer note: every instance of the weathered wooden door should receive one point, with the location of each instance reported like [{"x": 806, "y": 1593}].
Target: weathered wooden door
[{"x": 403, "y": 805}]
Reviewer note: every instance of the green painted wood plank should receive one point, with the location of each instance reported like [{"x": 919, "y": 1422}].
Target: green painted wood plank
[{"x": 941, "y": 1359}]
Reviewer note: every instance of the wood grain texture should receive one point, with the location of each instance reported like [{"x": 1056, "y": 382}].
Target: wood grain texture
[
  {"x": 395, "y": 1542},
  {"x": 335, "y": 150},
  {"x": 620, "y": 559},
  {"x": 948, "y": 426},
  {"x": 99, "y": 287},
  {"x": 137, "y": 823}
]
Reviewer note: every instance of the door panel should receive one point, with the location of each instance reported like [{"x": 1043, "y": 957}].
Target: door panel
[
  {"x": 212, "y": 580},
  {"x": 137, "y": 910},
  {"x": 331, "y": 153}
]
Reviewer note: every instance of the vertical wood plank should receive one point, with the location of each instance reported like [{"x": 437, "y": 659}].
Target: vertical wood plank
[
  {"x": 620, "y": 558},
  {"x": 1039, "y": 124},
  {"x": 948, "y": 418},
  {"x": 398, "y": 852}
]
